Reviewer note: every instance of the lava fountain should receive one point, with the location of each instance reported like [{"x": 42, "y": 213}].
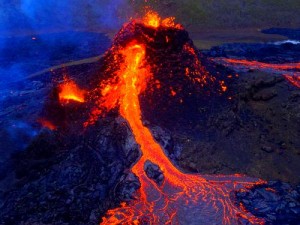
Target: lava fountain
[
  {"x": 70, "y": 91},
  {"x": 180, "y": 198}
]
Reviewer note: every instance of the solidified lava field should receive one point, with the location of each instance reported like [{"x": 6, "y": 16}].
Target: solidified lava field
[{"x": 157, "y": 132}]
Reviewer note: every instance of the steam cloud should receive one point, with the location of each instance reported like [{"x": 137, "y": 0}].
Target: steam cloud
[
  {"x": 21, "y": 18},
  {"x": 37, "y": 34}
]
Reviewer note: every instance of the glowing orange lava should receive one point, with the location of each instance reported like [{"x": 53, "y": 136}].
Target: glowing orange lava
[
  {"x": 256, "y": 64},
  {"x": 163, "y": 204},
  {"x": 290, "y": 71},
  {"x": 181, "y": 198},
  {"x": 294, "y": 80},
  {"x": 47, "y": 124},
  {"x": 152, "y": 19},
  {"x": 70, "y": 91}
]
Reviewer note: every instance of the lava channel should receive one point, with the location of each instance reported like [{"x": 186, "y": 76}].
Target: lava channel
[
  {"x": 181, "y": 198},
  {"x": 290, "y": 71}
]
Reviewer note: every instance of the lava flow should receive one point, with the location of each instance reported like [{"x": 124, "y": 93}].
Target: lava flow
[
  {"x": 181, "y": 198},
  {"x": 47, "y": 124},
  {"x": 70, "y": 91},
  {"x": 290, "y": 71}
]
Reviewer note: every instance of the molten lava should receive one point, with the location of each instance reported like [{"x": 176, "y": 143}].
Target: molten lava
[
  {"x": 256, "y": 64},
  {"x": 152, "y": 19},
  {"x": 47, "y": 124},
  {"x": 181, "y": 198},
  {"x": 293, "y": 79},
  {"x": 70, "y": 91},
  {"x": 290, "y": 71}
]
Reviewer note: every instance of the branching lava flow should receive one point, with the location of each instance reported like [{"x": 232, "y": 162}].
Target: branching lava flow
[{"x": 204, "y": 198}]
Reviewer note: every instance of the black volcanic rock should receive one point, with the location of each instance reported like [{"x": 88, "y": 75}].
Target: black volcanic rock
[
  {"x": 264, "y": 52},
  {"x": 154, "y": 172},
  {"x": 128, "y": 185},
  {"x": 277, "y": 202},
  {"x": 70, "y": 179}
]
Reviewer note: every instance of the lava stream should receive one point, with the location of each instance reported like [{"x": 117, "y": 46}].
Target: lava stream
[
  {"x": 181, "y": 198},
  {"x": 205, "y": 198},
  {"x": 290, "y": 71}
]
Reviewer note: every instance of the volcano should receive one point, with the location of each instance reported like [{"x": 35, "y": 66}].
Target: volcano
[{"x": 151, "y": 72}]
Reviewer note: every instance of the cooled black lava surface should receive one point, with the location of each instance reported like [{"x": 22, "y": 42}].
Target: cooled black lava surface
[
  {"x": 277, "y": 202},
  {"x": 258, "y": 132},
  {"x": 265, "y": 52},
  {"x": 71, "y": 179},
  {"x": 273, "y": 106}
]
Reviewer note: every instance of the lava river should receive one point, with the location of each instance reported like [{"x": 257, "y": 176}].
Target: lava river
[
  {"x": 290, "y": 71},
  {"x": 181, "y": 198}
]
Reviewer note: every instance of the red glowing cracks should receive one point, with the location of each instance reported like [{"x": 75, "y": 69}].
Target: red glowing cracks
[{"x": 69, "y": 91}]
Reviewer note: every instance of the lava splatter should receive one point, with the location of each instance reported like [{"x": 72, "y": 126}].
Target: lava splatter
[{"x": 69, "y": 91}]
